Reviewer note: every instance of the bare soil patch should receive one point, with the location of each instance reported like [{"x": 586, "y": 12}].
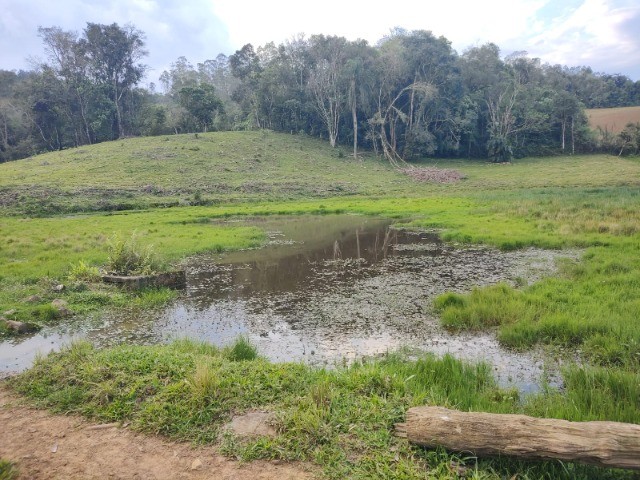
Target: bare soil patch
[
  {"x": 47, "y": 446},
  {"x": 434, "y": 174}
]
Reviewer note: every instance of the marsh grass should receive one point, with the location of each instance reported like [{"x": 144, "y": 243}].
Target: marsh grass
[
  {"x": 128, "y": 256},
  {"x": 241, "y": 350},
  {"x": 340, "y": 419}
]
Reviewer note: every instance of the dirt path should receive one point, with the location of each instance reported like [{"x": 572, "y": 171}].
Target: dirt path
[{"x": 46, "y": 446}]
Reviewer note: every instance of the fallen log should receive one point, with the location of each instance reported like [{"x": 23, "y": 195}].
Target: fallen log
[{"x": 606, "y": 444}]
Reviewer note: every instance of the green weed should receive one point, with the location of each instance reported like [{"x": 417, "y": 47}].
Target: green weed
[
  {"x": 8, "y": 471},
  {"x": 83, "y": 272}
]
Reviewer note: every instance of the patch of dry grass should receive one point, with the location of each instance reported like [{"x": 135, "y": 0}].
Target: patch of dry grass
[{"x": 612, "y": 120}]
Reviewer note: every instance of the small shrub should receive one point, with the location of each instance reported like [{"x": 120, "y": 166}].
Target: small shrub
[{"x": 128, "y": 257}]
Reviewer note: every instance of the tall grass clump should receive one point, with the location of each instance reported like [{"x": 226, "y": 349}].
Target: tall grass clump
[
  {"x": 129, "y": 257},
  {"x": 8, "y": 471},
  {"x": 83, "y": 272},
  {"x": 483, "y": 307},
  {"x": 241, "y": 350}
]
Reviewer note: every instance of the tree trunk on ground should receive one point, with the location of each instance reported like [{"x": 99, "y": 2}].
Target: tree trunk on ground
[{"x": 606, "y": 444}]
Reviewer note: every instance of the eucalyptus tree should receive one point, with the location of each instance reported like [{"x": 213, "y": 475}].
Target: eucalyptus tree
[
  {"x": 14, "y": 129},
  {"x": 113, "y": 54},
  {"x": 217, "y": 72},
  {"x": 181, "y": 74},
  {"x": 327, "y": 83},
  {"x": 419, "y": 89},
  {"x": 68, "y": 62},
  {"x": 360, "y": 71},
  {"x": 245, "y": 66}
]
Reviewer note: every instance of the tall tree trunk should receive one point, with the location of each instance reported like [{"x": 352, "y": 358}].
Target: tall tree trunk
[
  {"x": 118, "y": 110},
  {"x": 573, "y": 140},
  {"x": 354, "y": 116}
]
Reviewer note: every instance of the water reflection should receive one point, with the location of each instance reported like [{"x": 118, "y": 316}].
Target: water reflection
[{"x": 325, "y": 290}]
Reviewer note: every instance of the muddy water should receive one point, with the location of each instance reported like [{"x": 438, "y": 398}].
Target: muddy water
[{"x": 328, "y": 290}]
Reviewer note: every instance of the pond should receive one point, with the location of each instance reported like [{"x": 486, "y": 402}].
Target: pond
[{"x": 325, "y": 290}]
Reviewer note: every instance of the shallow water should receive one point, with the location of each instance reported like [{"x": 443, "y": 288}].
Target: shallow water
[{"x": 326, "y": 290}]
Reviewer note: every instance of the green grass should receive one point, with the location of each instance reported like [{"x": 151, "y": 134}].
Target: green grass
[
  {"x": 223, "y": 167},
  {"x": 8, "y": 470},
  {"x": 341, "y": 419}
]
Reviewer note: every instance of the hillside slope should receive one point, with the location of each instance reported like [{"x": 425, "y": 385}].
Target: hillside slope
[
  {"x": 179, "y": 169},
  {"x": 229, "y": 167}
]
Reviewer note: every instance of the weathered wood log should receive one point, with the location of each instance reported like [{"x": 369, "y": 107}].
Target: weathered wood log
[{"x": 606, "y": 444}]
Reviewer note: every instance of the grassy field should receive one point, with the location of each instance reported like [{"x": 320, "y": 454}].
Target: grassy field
[
  {"x": 62, "y": 208},
  {"x": 612, "y": 120},
  {"x": 239, "y": 167},
  {"x": 340, "y": 419}
]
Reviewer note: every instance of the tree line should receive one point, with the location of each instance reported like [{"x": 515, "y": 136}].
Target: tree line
[{"x": 409, "y": 96}]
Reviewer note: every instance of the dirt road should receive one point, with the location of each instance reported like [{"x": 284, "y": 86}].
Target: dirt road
[{"x": 46, "y": 446}]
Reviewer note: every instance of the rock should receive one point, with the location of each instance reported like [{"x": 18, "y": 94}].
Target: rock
[
  {"x": 196, "y": 464},
  {"x": 8, "y": 313},
  {"x": 61, "y": 307},
  {"x": 253, "y": 424},
  {"x": 21, "y": 327},
  {"x": 33, "y": 299},
  {"x": 58, "y": 288}
]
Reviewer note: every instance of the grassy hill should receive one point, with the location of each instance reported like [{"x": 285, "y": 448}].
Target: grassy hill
[
  {"x": 225, "y": 167},
  {"x": 612, "y": 120}
]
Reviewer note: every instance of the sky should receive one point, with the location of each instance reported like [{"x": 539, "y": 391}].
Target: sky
[{"x": 602, "y": 34}]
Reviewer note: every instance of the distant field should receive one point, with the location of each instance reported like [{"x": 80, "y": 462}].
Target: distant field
[{"x": 612, "y": 119}]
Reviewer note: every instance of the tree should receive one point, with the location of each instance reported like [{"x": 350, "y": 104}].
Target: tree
[
  {"x": 567, "y": 108},
  {"x": 326, "y": 81},
  {"x": 245, "y": 66},
  {"x": 68, "y": 62},
  {"x": 113, "y": 53},
  {"x": 202, "y": 104}
]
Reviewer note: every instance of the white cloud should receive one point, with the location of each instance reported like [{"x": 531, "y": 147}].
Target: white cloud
[
  {"x": 596, "y": 34},
  {"x": 600, "y": 33},
  {"x": 461, "y": 21}
]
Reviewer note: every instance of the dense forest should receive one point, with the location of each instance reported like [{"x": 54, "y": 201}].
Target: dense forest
[{"x": 409, "y": 96}]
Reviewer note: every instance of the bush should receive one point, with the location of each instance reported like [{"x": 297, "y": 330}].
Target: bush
[{"x": 128, "y": 257}]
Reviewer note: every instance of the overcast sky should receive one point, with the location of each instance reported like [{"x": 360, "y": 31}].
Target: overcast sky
[{"x": 604, "y": 34}]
